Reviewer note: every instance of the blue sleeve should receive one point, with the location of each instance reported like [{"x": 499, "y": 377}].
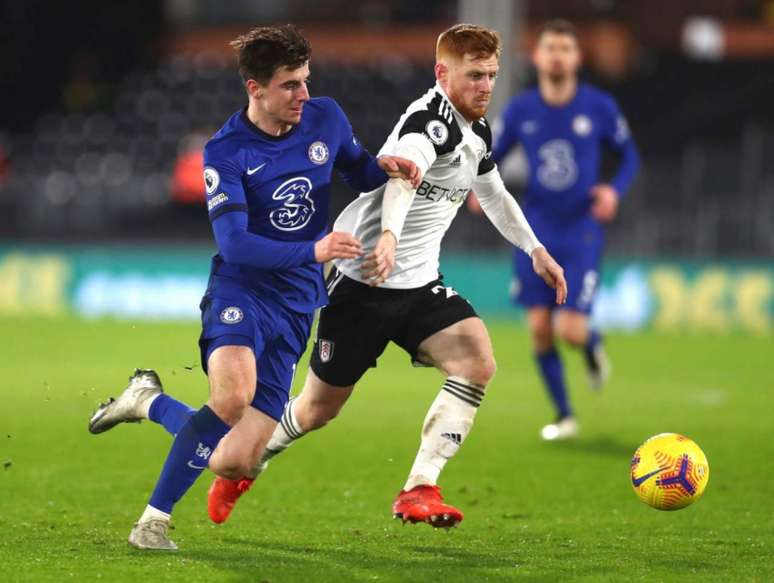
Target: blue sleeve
[
  {"x": 505, "y": 133},
  {"x": 616, "y": 134},
  {"x": 227, "y": 206},
  {"x": 355, "y": 164}
]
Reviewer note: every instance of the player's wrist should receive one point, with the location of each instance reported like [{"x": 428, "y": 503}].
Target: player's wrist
[
  {"x": 316, "y": 252},
  {"x": 392, "y": 235}
]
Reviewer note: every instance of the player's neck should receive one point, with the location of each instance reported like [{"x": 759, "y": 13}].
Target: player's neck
[
  {"x": 558, "y": 93},
  {"x": 265, "y": 123}
]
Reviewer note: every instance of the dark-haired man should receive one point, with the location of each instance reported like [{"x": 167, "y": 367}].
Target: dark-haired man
[
  {"x": 267, "y": 176},
  {"x": 396, "y": 294},
  {"x": 562, "y": 126}
]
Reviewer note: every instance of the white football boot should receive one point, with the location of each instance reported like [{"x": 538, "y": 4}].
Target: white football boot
[
  {"x": 131, "y": 406},
  {"x": 152, "y": 535},
  {"x": 565, "y": 428}
]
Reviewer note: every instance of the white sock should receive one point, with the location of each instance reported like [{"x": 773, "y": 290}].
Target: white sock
[
  {"x": 152, "y": 513},
  {"x": 446, "y": 426},
  {"x": 287, "y": 431},
  {"x": 146, "y": 405}
]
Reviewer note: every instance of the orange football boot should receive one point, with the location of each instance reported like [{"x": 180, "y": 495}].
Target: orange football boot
[
  {"x": 223, "y": 495},
  {"x": 424, "y": 503}
]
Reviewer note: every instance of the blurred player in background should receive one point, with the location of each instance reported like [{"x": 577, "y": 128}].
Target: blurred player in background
[
  {"x": 267, "y": 176},
  {"x": 562, "y": 126},
  {"x": 396, "y": 292}
]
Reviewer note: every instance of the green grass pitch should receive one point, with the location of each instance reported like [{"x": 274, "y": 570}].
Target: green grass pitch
[{"x": 533, "y": 511}]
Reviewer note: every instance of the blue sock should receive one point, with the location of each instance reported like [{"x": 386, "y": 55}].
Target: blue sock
[
  {"x": 170, "y": 413},
  {"x": 188, "y": 457},
  {"x": 553, "y": 377},
  {"x": 594, "y": 339}
]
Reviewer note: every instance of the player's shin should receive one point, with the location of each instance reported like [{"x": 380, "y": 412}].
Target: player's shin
[
  {"x": 446, "y": 426},
  {"x": 287, "y": 431},
  {"x": 188, "y": 457}
]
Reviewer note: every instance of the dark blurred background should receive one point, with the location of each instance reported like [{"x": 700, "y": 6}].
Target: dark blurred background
[{"x": 106, "y": 106}]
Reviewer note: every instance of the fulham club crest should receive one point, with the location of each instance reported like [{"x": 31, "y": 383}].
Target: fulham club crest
[{"x": 326, "y": 350}]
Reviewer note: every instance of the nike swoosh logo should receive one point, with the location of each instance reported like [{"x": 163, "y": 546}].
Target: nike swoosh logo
[
  {"x": 190, "y": 465},
  {"x": 636, "y": 482},
  {"x": 251, "y": 171}
]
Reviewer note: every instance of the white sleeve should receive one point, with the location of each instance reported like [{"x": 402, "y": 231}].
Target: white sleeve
[
  {"x": 398, "y": 196},
  {"x": 417, "y": 148},
  {"x": 504, "y": 212}
]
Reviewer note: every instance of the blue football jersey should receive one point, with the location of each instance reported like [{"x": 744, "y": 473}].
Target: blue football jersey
[
  {"x": 563, "y": 146},
  {"x": 282, "y": 185}
]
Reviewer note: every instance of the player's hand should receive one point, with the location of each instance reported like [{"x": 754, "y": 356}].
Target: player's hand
[
  {"x": 378, "y": 264},
  {"x": 605, "y": 205},
  {"x": 337, "y": 245},
  {"x": 551, "y": 272},
  {"x": 473, "y": 205},
  {"x": 397, "y": 167}
]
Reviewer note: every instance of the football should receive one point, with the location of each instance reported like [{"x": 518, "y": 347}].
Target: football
[{"x": 669, "y": 471}]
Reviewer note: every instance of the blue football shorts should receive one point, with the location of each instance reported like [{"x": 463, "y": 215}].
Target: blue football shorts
[
  {"x": 233, "y": 315},
  {"x": 580, "y": 256}
]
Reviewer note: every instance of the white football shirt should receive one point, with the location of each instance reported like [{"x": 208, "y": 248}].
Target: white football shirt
[{"x": 451, "y": 153}]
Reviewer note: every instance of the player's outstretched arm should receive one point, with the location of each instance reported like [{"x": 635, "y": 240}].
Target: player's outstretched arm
[
  {"x": 551, "y": 272},
  {"x": 396, "y": 202},
  {"x": 337, "y": 245},
  {"x": 237, "y": 245},
  {"x": 397, "y": 167},
  {"x": 504, "y": 212},
  {"x": 359, "y": 168}
]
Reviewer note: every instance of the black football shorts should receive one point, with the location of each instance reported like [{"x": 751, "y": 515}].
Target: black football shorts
[{"x": 359, "y": 321}]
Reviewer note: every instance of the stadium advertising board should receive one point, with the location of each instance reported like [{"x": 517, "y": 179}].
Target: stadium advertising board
[{"x": 167, "y": 284}]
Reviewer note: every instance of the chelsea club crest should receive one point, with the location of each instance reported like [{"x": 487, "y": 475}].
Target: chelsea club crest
[
  {"x": 231, "y": 315},
  {"x": 318, "y": 152}
]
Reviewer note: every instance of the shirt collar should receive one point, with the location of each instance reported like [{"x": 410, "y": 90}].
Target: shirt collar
[{"x": 457, "y": 114}]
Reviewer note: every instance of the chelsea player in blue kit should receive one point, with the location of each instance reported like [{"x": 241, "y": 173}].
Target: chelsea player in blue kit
[
  {"x": 267, "y": 176},
  {"x": 562, "y": 126}
]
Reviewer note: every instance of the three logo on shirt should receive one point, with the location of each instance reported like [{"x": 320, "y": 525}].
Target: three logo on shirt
[
  {"x": 558, "y": 169},
  {"x": 297, "y": 206}
]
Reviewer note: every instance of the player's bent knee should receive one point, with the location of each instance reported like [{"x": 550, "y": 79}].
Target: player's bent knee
[
  {"x": 572, "y": 335},
  {"x": 479, "y": 371},
  {"x": 485, "y": 372},
  {"x": 231, "y": 406}
]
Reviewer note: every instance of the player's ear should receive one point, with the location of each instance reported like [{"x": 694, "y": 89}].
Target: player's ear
[
  {"x": 441, "y": 71},
  {"x": 254, "y": 89},
  {"x": 535, "y": 56},
  {"x": 250, "y": 87}
]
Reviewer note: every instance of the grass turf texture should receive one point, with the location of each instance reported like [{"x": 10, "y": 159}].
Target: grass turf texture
[{"x": 533, "y": 511}]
